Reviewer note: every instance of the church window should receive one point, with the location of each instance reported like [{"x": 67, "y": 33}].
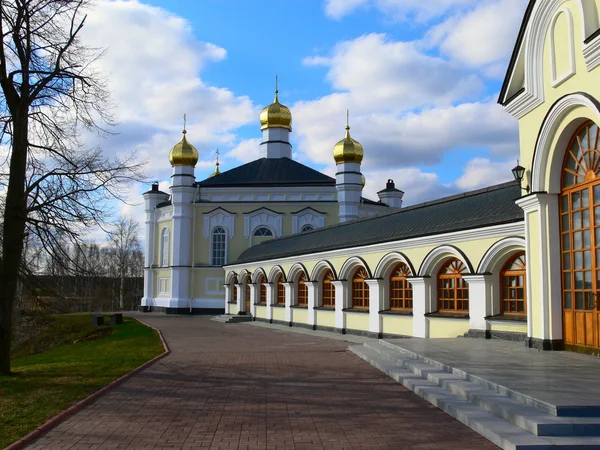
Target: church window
[
  {"x": 360, "y": 289},
  {"x": 306, "y": 228},
  {"x": 218, "y": 247},
  {"x": 401, "y": 296},
  {"x": 513, "y": 285},
  {"x": 263, "y": 231},
  {"x": 453, "y": 290},
  {"x": 235, "y": 291},
  {"x": 280, "y": 290},
  {"x": 263, "y": 291},
  {"x": 302, "y": 290},
  {"x": 328, "y": 290},
  {"x": 164, "y": 247}
]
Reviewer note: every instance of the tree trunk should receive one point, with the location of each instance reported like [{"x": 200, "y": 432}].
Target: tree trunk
[
  {"x": 122, "y": 293},
  {"x": 12, "y": 237}
]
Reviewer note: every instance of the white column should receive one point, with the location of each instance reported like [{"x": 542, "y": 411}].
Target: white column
[
  {"x": 228, "y": 296},
  {"x": 480, "y": 300},
  {"x": 341, "y": 297},
  {"x": 289, "y": 301},
  {"x": 313, "y": 292},
  {"x": 253, "y": 295},
  {"x": 241, "y": 291},
  {"x": 542, "y": 241},
  {"x": 375, "y": 304},
  {"x": 271, "y": 287},
  {"x": 148, "y": 287},
  {"x": 421, "y": 287}
]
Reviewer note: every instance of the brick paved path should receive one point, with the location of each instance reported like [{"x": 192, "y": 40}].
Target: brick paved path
[{"x": 237, "y": 386}]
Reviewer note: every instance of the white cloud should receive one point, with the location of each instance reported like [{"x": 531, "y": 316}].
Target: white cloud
[
  {"x": 159, "y": 81},
  {"x": 482, "y": 36},
  {"x": 481, "y": 172},
  {"x": 246, "y": 151},
  {"x": 337, "y": 9}
]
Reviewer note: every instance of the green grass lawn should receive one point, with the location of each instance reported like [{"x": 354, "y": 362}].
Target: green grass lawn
[{"x": 80, "y": 361}]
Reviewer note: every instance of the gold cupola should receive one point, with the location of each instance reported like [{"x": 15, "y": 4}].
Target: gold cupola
[
  {"x": 217, "y": 170},
  {"x": 276, "y": 115},
  {"x": 183, "y": 153},
  {"x": 348, "y": 150}
]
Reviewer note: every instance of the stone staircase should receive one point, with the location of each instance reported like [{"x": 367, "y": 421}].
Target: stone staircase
[
  {"x": 507, "y": 418},
  {"x": 231, "y": 318}
]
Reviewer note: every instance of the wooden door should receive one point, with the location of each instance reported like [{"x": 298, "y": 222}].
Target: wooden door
[
  {"x": 580, "y": 239},
  {"x": 247, "y": 299}
]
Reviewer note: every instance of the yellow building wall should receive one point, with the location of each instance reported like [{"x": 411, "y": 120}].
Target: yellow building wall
[
  {"x": 279, "y": 314},
  {"x": 357, "y": 321},
  {"x": 208, "y": 282},
  {"x": 299, "y": 315},
  {"x": 157, "y": 238},
  {"x": 511, "y": 327},
  {"x": 261, "y": 312},
  {"x": 582, "y": 81},
  {"x": 162, "y": 274},
  {"x": 440, "y": 327},
  {"x": 326, "y": 318},
  {"x": 233, "y": 309},
  {"x": 397, "y": 324}
]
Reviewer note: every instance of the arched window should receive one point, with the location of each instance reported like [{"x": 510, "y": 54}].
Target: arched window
[
  {"x": 302, "y": 290},
  {"x": 280, "y": 290},
  {"x": 217, "y": 256},
  {"x": 513, "y": 285},
  {"x": 328, "y": 290},
  {"x": 164, "y": 247},
  {"x": 401, "y": 296},
  {"x": 360, "y": 289},
  {"x": 263, "y": 291},
  {"x": 306, "y": 228},
  {"x": 247, "y": 299},
  {"x": 234, "y": 295},
  {"x": 453, "y": 290},
  {"x": 263, "y": 231}
]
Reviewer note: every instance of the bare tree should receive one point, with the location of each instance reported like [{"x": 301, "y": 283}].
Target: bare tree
[
  {"x": 56, "y": 186},
  {"x": 124, "y": 245}
]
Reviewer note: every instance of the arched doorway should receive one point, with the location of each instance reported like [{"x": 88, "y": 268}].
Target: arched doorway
[{"x": 580, "y": 238}]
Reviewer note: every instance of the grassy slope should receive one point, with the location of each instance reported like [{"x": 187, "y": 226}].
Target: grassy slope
[{"x": 46, "y": 383}]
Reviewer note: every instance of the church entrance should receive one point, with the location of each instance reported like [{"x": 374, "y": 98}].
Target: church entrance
[
  {"x": 580, "y": 240},
  {"x": 247, "y": 298}
]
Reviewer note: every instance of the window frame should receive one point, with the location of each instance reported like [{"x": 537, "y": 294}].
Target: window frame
[
  {"x": 328, "y": 287},
  {"x": 263, "y": 227},
  {"x": 165, "y": 247},
  {"x": 213, "y": 242},
  {"x": 506, "y": 272},
  {"x": 302, "y": 290},
  {"x": 457, "y": 284},
  {"x": 400, "y": 284},
  {"x": 360, "y": 289},
  {"x": 280, "y": 290}
]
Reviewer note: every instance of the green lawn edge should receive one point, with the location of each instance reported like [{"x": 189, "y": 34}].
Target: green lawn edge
[{"x": 44, "y": 384}]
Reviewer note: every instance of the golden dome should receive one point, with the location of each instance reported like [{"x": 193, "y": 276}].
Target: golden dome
[
  {"x": 183, "y": 154},
  {"x": 217, "y": 170},
  {"x": 276, "y": 115},
  {"x": 348, "y": 150},
  {"x": 363, "y": 180}
]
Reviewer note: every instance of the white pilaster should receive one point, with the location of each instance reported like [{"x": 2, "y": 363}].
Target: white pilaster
[
  {"x": 253, "y": 295},
  {"x": 289, "y": 301},
  {"x": 151, "y": 199},
  {"x": 313, "y": 292},
  {"x": 241, "y": 290},
  {"x": 375, "y": 304},
  {"x": 543, "y": 234},
  {"x": 421, "y": 287},
  {"x": 271, "y": 295},
  {"x": 228, "y": 296},
  {"x": 480, "y": 300},
  {"x": 341, "y": 296}
]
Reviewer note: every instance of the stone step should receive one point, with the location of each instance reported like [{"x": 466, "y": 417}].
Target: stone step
[
  {"x": 493, "y": 427},
  {"x": 562, "y": 411},
  {"x": 230, "y": 318},
  {"x": 525, "y": 416}
]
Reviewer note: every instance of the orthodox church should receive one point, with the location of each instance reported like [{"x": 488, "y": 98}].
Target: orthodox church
[
  {"x": 201, "y": 226},
  {"x": 517, "y": 261}
]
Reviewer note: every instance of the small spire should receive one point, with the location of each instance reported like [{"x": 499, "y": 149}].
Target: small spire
[
  {"x": 184, "y": 124},
  {"x": 276, "y": 89},
  {"x": 217, "y": 171},
  {"x": 347, "y": 123}
]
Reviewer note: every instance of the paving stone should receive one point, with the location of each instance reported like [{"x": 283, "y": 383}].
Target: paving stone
[{"x": 237, "y": 386}]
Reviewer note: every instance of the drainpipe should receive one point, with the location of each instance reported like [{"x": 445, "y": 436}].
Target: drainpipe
[{"x": 193, "y": 243}]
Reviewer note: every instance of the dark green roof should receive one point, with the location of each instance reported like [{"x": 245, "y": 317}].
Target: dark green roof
[
  {"x": 269, "y": 172},
  {"x": 485, "y": 207}
]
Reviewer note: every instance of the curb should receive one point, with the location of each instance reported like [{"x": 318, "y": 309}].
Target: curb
[{"x": 42, "y": 429}]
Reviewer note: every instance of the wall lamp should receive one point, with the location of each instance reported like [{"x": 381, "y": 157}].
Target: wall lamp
[{"x": 519, "y": 172}]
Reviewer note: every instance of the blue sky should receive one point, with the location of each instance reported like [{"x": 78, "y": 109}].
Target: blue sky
[{"x": 420, "y": 79}]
